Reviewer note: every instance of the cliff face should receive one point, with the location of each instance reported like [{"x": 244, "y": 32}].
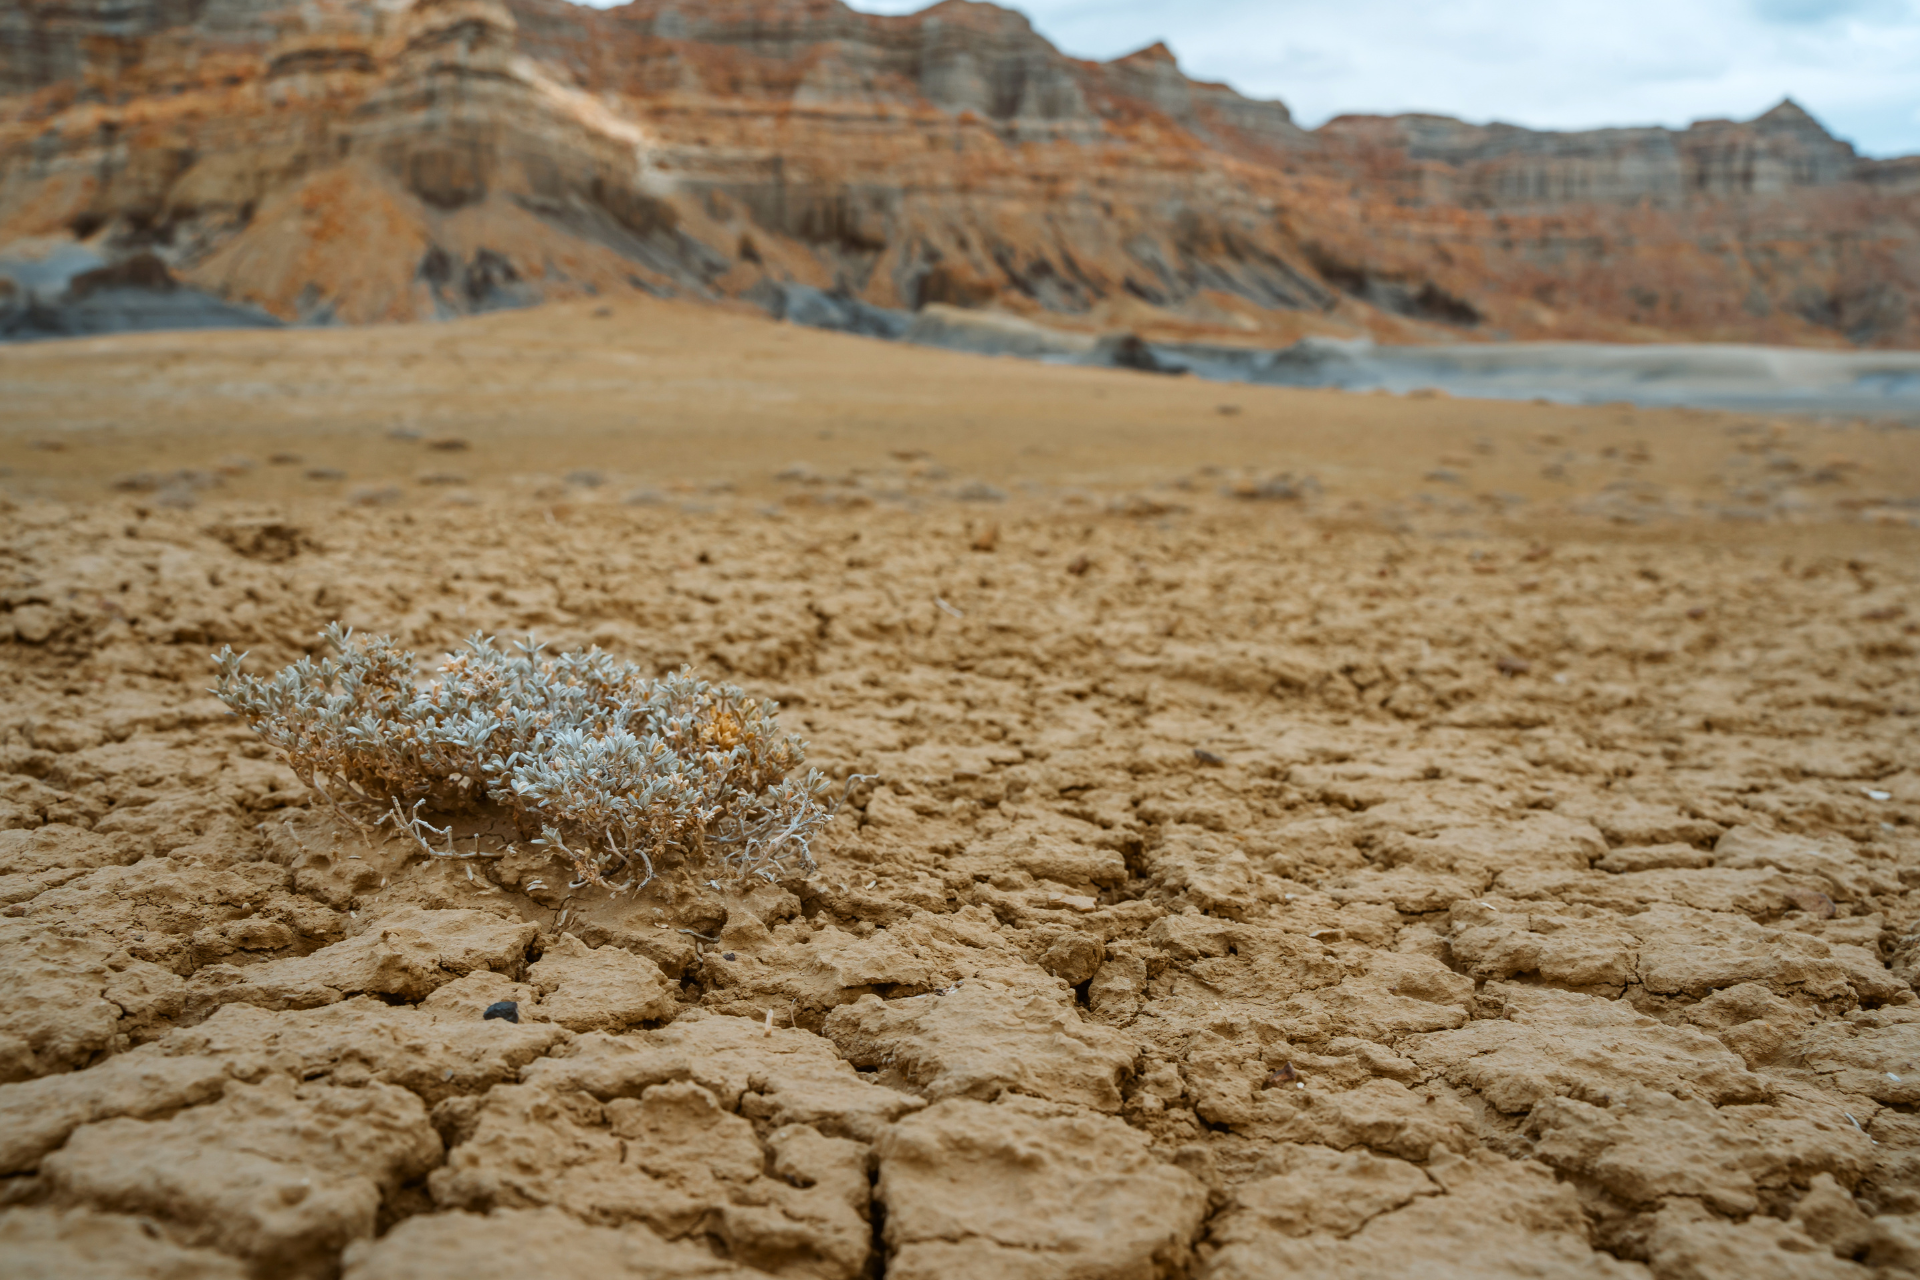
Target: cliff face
[
  {"x": 383, "y": 161},
  {"x": 1440, "y": 160}
]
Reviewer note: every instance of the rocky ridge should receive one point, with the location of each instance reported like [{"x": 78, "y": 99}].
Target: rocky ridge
[{"x": 358, "y": 162}]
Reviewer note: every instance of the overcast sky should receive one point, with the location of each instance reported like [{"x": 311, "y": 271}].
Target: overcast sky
[{"x": 1547, "y": 63}]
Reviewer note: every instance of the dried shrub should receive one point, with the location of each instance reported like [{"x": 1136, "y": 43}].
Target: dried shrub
[{"x": 612, "y": 770}]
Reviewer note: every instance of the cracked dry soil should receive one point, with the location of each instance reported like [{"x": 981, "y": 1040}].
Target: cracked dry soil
[{"x": 1244, "y": 895}]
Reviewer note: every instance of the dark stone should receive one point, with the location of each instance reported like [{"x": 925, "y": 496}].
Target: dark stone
[
  {"x": 141, "y": 271},
  {"x": 1129, "y": 351},
  {"x": 507, "y": 1010},
  {"x": 438, "y": 266}
]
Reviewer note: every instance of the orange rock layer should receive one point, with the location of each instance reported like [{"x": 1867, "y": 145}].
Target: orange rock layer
[{"x": 361, "y": 162}]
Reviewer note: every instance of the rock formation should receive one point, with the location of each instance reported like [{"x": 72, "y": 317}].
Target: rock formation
[{"x": 354, "y": 161}]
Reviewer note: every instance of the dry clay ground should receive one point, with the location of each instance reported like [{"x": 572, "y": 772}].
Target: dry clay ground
[{"x": 1390, "y": 873}]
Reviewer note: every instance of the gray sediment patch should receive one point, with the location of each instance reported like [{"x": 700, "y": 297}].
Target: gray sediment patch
[
  {"x": 1700, "y": 375},
  {"x": 71, "y": 293}
]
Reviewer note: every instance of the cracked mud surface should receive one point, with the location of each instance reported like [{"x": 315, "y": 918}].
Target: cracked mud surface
[{"x": 1250, "y": 890}]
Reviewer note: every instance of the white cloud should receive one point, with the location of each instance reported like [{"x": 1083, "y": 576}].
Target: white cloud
[{"x": 1545, "y": 63}]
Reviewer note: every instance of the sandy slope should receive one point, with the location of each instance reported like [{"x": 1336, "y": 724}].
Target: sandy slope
[{"x": 1491, "y": 856}]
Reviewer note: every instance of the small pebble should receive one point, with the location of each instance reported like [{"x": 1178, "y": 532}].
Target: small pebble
[
  {"x": 727, "y": 956},
  {"x": 1205, "y": 756},
  {"x": 505, "y": 1010}
]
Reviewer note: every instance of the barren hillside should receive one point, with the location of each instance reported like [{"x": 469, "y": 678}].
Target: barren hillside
[{"x": 360, "y": 162}]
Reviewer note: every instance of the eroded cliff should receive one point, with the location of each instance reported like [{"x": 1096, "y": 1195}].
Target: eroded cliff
[{"x": 364, "y": 162}]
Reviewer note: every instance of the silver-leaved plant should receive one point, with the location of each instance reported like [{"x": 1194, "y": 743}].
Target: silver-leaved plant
[{"x": 612, "y": 770}]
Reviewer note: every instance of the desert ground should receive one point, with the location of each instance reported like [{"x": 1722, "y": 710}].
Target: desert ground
[{"x": 1309, "y": 833}]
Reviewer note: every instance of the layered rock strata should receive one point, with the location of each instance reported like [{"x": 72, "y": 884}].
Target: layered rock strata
[{"x": 364, "y": 162}]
